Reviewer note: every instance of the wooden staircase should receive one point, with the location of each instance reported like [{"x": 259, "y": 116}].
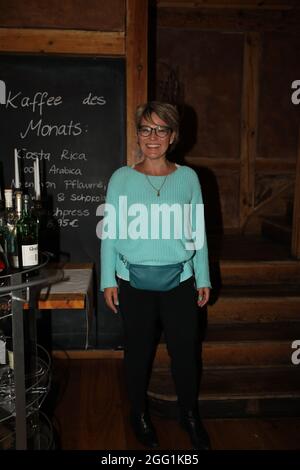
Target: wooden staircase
[{"x": 247, "y": 368}]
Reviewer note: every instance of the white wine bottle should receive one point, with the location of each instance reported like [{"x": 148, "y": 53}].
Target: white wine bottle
[
  {"x": 2, "y": 348},
  {"x": 11, "y": 217},
  {"x": 27, "y": 236}
]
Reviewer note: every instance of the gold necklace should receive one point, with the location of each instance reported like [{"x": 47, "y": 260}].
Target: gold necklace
[{"x": 157, "y": 189}]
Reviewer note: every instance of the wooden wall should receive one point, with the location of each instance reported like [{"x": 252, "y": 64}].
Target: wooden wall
[
  {"x": 68, "y": 14},
  {"x": 106, "y": 28},
  {"x": 230, "y": 62},
  {"x": 231, "y": 65}
]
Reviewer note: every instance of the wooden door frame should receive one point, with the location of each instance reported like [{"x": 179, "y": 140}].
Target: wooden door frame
[{"x": 136, "y": 67}]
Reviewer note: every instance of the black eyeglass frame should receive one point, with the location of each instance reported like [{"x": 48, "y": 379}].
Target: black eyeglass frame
[{"x": 150, "y": 129}]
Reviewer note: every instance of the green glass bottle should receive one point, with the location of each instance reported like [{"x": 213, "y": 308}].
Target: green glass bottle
[
  {"x": 4, "y": 235},
  {"x": 9, "y": 213},
  {"x": 11, "y": 218},
  {"x": 48, "y": 228},
  {"x": 27, "y": 236}
]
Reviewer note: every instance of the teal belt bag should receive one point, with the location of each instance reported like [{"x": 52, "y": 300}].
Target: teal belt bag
[{"x": 158, "y": 278}]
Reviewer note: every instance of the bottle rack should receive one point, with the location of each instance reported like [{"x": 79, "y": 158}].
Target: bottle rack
[{"x": 24, "y": 388}]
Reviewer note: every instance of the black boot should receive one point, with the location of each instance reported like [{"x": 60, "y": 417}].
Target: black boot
[
  {"x": 191, "y": 422},
  {"x": 144, "y": 430}
]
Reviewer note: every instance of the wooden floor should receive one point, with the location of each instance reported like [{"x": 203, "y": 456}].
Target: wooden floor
[{"x": 90, "y": 412}]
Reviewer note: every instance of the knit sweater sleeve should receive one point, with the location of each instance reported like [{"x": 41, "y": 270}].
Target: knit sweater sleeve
[
  {"x": 200, "y": 259},
  {"x": 108, "y": 244}
]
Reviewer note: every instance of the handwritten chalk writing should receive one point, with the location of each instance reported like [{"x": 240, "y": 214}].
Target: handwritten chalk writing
[
  {"x": 46, "y": 130},
  {"x": 86, "y": 198},
  {"x": 71, "y": 135},
  {"x": 77, "y": 184},
  {"x": 296, "y": 94},
  {"x": 28, "y": 155},
  {"x": 28, "y": 169},
  {"x": 62, "y": 213},
  {"x": 36, "y": 103},
  {"x": 55, "y": 170},
  {"x": 60, "y": 197},
  {"x": 94, "y": 100},
  {"x": 48, "y": 184},
  {"x": 66, "y": 222},
  {"x": 67, "y": 155}
]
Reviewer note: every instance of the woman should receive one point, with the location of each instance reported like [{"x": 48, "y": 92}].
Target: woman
[{"x": 139, "y": 260}]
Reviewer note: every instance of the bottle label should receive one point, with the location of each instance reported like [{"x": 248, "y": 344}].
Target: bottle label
[
  {"x": 30, "y": 255},
  {"x": 15, "y": 261},
  {"x": 2, "y": 351},
  {"x": 10, "y": 355}
]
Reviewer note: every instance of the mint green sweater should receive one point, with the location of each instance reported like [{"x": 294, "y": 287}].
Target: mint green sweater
[{"x": 180, "y": 187}]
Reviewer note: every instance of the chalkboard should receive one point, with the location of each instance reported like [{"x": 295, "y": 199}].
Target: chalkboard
[{"x": 70, "y": 112}]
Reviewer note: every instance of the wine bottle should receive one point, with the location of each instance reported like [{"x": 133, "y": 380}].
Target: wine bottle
[
  {"x": 40, "y": 214},
  {"x": 2, "y": 205},
  {"x": 27, "y": 236},
  {"x": 11, "y": 217},
  {"x": 2, "y": 348},
  {"x": 4, "y": 368},
  {"x": 9, "y": 213},
  {"x": 10, "y": 353},
  {"x": 4, "y": 264},
  {"x": 48, "y": 228}
]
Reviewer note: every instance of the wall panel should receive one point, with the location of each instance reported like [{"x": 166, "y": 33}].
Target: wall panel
[{"x": 66, "y": 14}]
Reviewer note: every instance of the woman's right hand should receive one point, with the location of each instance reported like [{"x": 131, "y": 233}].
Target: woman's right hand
[{"x": 111, "y": 298}]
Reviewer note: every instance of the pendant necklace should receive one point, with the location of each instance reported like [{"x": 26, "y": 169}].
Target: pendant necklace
[{"x": 157, "y": 189}]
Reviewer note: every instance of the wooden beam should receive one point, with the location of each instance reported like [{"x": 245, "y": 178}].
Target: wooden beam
[
  {"x": 61, "y": 302},
  {"x": 91, "y": 15},
  {"x": 241, "y": 4},
  {"x": 275, "y": 165},
  {"x": 249, "y": 124},
  {"x": 296, "y": 212},
  {"x": 62, "y": 41},
  {"x": 232, "y": 20},
  {"x": 262, "y": 165},
  {"x": 136, "y": 66},
  {"x": 88, "y": 354}
]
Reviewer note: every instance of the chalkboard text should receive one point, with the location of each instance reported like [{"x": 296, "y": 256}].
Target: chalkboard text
[
  {"x": 46, "y": 130},
  {"x": 36, "y": 103}
]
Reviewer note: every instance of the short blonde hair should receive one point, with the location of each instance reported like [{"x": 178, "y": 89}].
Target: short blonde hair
[{"x": 165, "y": 111}]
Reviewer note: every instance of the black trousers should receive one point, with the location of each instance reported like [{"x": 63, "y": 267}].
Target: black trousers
[{"x": 144, "y": 313}]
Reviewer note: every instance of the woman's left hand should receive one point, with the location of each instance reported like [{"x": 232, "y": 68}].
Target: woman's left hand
[{"x": 203, "y": 296}]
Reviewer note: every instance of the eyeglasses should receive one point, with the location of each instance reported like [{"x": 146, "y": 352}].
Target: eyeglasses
[{"x": 160, "y": 131}]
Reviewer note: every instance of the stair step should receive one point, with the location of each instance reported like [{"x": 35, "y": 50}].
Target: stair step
[
  {"x": 258, "y": 272},
  {"x": 251, "y": 309},
  {"x": 233, "y": 383},
  {"x": 277, "y": 228},
  {"x": 258, "y": 290},
  {"x": 247, "y": 353},
  {"x": 284, "y": 331},
  {"x": 233, "y": 353},
  {"x": 234, "y": 391}
]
